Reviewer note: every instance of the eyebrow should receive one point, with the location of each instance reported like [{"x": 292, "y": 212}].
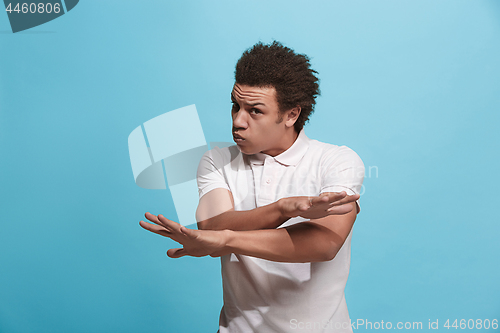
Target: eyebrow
[{"x": 255, "y": 104}]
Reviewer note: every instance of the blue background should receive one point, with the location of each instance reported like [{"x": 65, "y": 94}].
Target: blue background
[{"x": 412, "y": 86}]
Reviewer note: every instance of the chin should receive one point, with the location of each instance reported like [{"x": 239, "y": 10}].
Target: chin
[{"x": 246, "y": 150}]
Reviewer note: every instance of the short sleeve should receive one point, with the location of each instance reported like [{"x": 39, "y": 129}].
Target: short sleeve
[
  {"x": 342, "y": 170},
  {"x": 210, "y": 174}
]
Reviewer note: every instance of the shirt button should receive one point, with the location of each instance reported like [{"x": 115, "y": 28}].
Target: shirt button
[{"x": 268, "y": 181}]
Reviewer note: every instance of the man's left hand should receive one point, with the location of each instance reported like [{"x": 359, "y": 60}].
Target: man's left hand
[{"x": 196, "y": 243}]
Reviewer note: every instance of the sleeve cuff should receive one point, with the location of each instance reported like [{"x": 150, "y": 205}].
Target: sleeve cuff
[{"x": 211, "y": 187}]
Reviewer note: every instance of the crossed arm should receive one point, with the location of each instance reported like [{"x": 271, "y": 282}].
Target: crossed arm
[{"x": 253, "y": 233}]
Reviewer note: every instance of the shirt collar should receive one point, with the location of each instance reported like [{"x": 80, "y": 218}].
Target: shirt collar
[{"x": 291, "y": 156}]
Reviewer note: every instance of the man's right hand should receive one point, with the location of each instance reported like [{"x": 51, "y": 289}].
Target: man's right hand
[{"x": 330, "y": 203}]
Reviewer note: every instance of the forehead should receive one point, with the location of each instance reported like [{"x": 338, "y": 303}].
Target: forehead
[{"x": 252, "y": 94}]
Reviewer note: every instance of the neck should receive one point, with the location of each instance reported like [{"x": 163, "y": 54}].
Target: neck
[{"x": 287, "y": 141}]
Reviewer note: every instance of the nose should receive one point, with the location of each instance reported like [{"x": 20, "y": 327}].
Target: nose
[{"x": 240, "y": 120}]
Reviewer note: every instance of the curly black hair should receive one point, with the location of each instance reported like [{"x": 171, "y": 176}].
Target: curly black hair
[{"x": 288, "y": 72}]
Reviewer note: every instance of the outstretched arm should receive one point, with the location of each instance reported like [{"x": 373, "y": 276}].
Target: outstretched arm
[
  {"x": 316, "y": 240},
  {"x": 215, "y": 210}
]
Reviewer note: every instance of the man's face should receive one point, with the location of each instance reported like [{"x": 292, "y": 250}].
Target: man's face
[{"x": 257, "y": 125}]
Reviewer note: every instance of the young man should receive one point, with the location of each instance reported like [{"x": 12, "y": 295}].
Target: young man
[{"x": 277, "y": 207}]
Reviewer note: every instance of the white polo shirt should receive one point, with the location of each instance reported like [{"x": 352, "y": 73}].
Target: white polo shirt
[{"x": 266, "y": 296}]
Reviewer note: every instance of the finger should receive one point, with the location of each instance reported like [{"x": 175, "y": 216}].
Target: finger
[
  {"x": 329, "y": 197},
  {"x": 304, "y": 207},
  {"x": 174, "y": 226},
  {"x": 339, "y": 210},
  {"x": 347, "y": 199},
  {"x": 319, "y": 200},
  {"x": 189, "y": 232},
  {"x": 324, "y": 198},
  {"x": 153, "y": 218},
  {"x": 335, "y": 196},
  {"x": 176, "y": 253},
  {"x": 157, "y": 229}
]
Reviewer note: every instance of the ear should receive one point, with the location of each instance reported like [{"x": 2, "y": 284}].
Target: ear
[{"x": 292, "y": 115}]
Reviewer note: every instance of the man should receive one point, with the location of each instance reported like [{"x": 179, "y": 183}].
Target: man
[{"x": 278, "y": 207}]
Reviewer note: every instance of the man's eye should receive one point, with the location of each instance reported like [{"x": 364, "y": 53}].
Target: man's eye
[
  {"x": 235, "y": 106},
  {"x": 255, "y": 111}
]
